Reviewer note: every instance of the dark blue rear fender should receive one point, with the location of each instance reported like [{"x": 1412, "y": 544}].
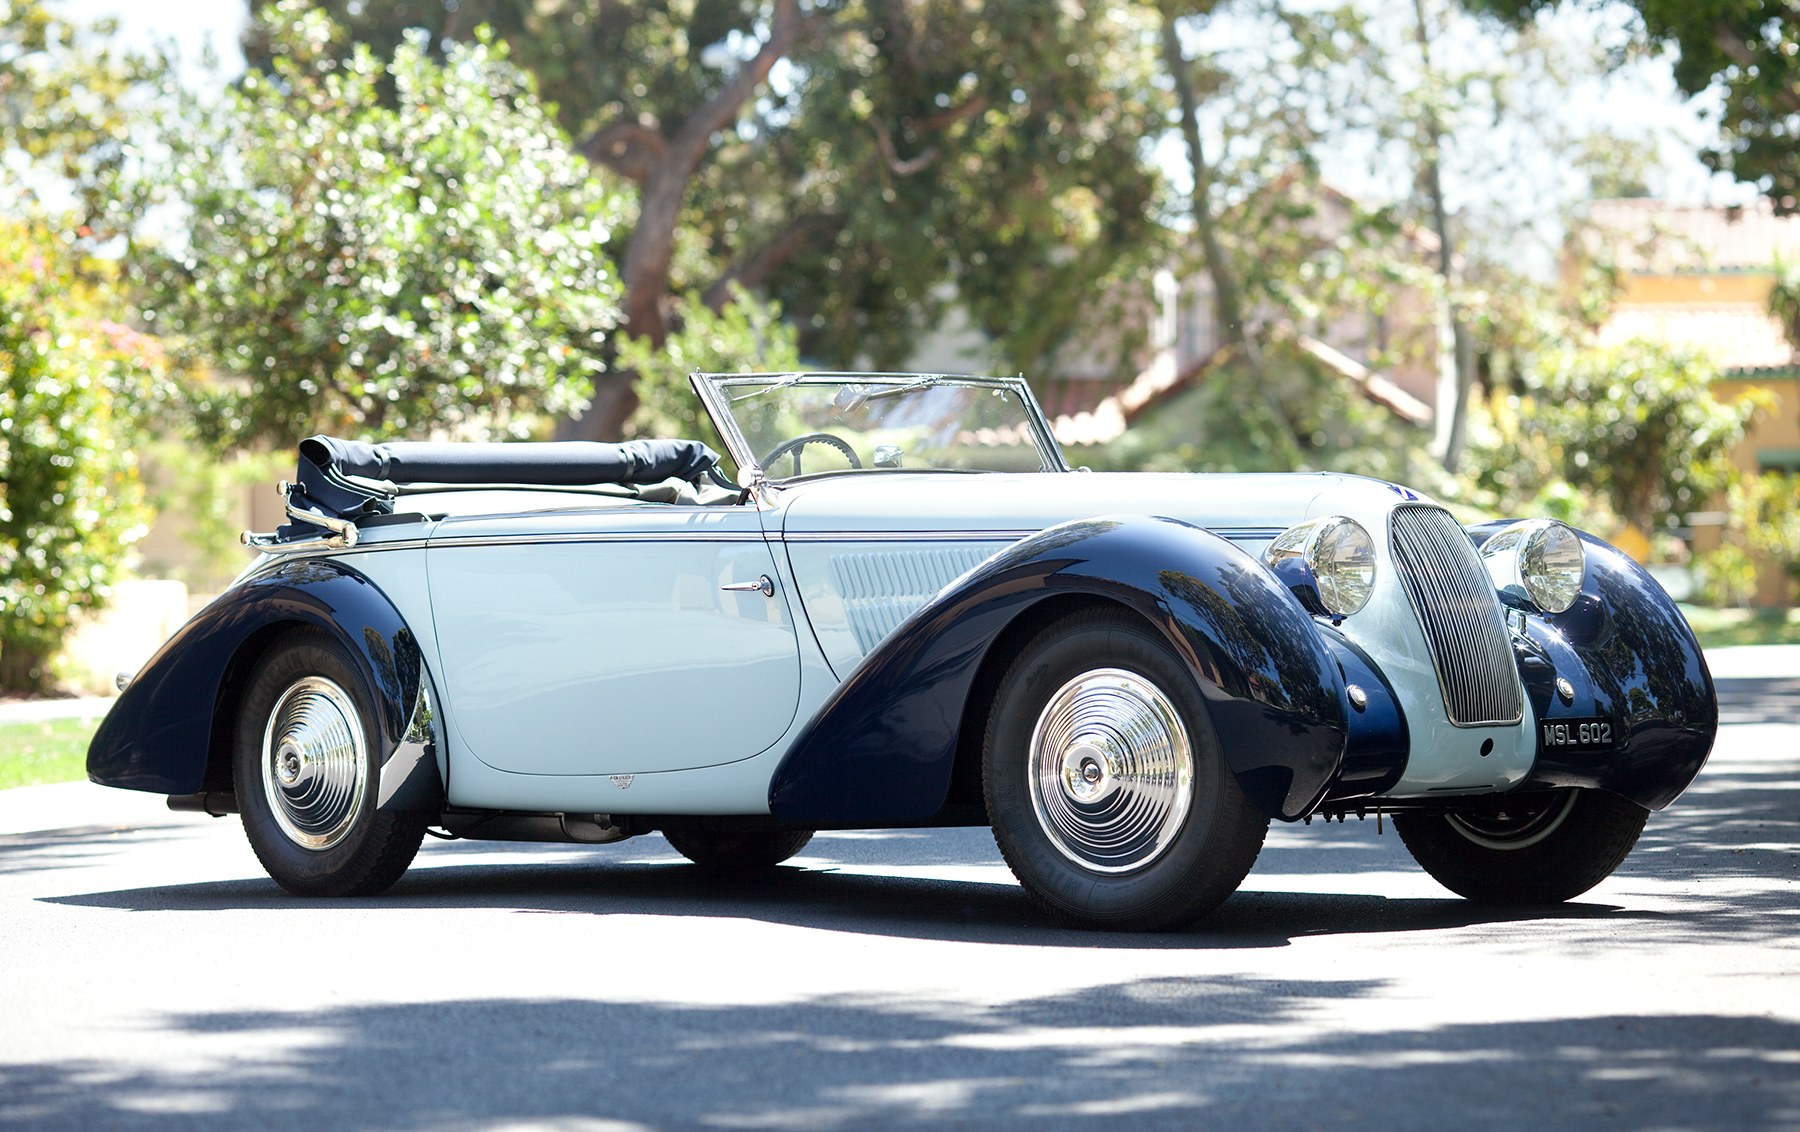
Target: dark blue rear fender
[
  {"x": 882, "y": 749},
  {"x": 170, "y": 730}
]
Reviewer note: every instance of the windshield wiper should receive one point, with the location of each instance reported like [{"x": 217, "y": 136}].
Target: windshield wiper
[
  {"x": 909, "y": 387},
  {"x": 784, "y": 383}
]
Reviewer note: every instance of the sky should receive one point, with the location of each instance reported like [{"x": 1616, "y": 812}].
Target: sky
[{"x": 189, "y": 23}]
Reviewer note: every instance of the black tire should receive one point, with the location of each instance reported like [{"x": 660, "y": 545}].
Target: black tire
[
  {"x": 741, "y": 851},
  {"x": 1100, "y": 829},
  {"x": 1550, "y": 846},
  {"x": 307, "y": 772}
]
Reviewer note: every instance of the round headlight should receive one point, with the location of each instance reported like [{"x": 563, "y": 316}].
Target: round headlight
[
  {"x": 1336, "y": 561},
  {"x": 1540, "y": 560}
]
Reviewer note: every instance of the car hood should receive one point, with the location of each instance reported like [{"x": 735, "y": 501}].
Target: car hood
[{"x": 1015, "y": 504}]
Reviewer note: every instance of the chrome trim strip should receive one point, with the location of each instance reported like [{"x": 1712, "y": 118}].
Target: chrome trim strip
[
  {"x": 439, "y": 542},
  {"x": 312, "y": 548},
  {"x": 316, "y": 547},
  {"x": 1231, "y": 534},
  {"x": 907, "y": 536}
]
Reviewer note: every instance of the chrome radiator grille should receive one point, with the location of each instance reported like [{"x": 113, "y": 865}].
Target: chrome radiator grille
[{"x": 1456, "y": 606}]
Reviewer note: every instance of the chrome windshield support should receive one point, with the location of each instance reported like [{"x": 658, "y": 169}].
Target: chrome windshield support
[{"x": 342, "y": 536}]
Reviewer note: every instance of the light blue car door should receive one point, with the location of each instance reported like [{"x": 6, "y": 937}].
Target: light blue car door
[{"x": 618, "y": 640}]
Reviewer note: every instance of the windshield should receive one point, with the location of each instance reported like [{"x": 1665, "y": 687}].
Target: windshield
[{"x": 802, "y": 424}]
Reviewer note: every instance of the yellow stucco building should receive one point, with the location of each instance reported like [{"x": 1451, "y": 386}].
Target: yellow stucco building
[{"x": 1701, "y": 277}]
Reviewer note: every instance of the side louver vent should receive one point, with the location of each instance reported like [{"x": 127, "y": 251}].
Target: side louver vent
[{"x": 881, "y": 588}]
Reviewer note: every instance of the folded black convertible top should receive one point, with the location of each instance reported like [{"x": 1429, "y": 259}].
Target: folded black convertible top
[{"x": 327, "y": 463}]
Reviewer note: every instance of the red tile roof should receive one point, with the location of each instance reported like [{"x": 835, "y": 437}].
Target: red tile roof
[{"x": 1652, "y": 237}]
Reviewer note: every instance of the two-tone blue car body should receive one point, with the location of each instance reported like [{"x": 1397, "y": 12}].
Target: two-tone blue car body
[{"x": 906, "y": 610}]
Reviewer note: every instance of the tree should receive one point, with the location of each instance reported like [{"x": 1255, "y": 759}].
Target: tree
[
  {"x": 78, "y": 390},
  {"x": 1633, "y": 424},
  {"x": 70, "y": 500},
  {"x": 67, "y": 104},
  {"x": 1235, "y": 332},
  {"x": 434, "y": 261},
  {"x": 737, "y": 337},
  {"x": 1745, "y": 52},
  {"x": 864, "y": 164}
]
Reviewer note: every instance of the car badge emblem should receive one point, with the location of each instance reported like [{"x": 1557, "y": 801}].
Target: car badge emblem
[{"x": 623, "y": 781}]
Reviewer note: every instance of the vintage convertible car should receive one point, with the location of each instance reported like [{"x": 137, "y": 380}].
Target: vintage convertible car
[{"x": 907, "y": 610}]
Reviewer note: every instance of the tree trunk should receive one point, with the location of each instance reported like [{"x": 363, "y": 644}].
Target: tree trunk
[
  {"x": 22, "y": 669},
  {"x": 1227, "y": 305},
  {"x": 665, "y": 171},
  {"x": 1235, "y": 333},
  {"x": 1457, "y": 364}
]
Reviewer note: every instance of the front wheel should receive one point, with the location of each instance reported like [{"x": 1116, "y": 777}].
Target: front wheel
[
  {"x": 306, "y": 771},
  {"x": 1108, "y": 792},
  {"x": 1540, "y": 848}
]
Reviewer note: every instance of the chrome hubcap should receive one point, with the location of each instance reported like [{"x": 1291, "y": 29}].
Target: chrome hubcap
[
  {"x": 315, "y": 765},
  {"x": 1111, "y": 771}
]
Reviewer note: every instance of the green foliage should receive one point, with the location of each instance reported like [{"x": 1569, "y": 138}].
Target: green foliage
[
  {"x": 1766, "y": 508},
  {"x": 1762, "y": 527},
  {"x": 1746, "y": 53},
  {"x": 1726, "y": 576},
  {"x": 1784, "y": 298},
  {"x": 909, "y": 151},
  {"x": 67, "y": 106},
  {"x": 1633, "y": 426},
  {"x": 70, "y": 500},
  {"x": 200, "y": 493},
  {"x": 746, "y": 336},
  {"x": 1720, "y": 628},
  {"x": 32, "y": 754},
  {"x": 436, "y": 262}
]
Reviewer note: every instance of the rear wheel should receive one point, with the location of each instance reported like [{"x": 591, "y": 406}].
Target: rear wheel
[
  {"x": 1109, "y": 795},
  {"x": 756, "y": 849},
  {"x": 1541, "y": 848},
  {"x": 307, "y": 773}
]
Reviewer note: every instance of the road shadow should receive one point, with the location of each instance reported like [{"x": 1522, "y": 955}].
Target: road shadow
[
  {"x": 1764, "y": 699},
  {"x": 1148, "y": 1053},
  {"x": 907, "y": 907},
  {"x": 1739, "y": 824}
]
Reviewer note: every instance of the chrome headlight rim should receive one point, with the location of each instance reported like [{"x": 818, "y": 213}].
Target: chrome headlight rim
[
  {"x": 1329, "y": 563},
  {"x": 1539, "y": 561}
]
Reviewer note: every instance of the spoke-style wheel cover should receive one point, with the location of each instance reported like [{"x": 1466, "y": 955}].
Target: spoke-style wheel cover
[
  {"x": 1518, "y": 828},
  {"x": 1110, "y": 771},
  {"x": 315, "y": 763}
]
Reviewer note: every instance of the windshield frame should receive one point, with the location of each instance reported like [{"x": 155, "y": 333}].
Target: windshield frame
[{"x": 714, "y": 390}]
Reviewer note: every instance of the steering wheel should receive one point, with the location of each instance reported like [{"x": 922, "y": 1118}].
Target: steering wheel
[{"x": 799, "y": 442}]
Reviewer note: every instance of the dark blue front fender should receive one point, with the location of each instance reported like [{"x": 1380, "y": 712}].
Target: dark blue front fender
[
  {"x": 1632, "y": 659},
  {"x": 178, "y": 712},
  {"x": 882, "y": 749}
]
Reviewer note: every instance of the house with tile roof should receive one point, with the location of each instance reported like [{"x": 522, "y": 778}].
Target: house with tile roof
[
  {"x": 1165, "y": 321},
  {"x": 1701, "y": 277}
]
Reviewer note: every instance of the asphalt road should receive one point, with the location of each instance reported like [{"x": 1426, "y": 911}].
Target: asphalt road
[{"x": 152, "y": 977}]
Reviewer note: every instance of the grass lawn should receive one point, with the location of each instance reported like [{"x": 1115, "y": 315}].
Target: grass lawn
[
  {"x": 52, "y": 751},
  {"x": 1717, "y": 628}
]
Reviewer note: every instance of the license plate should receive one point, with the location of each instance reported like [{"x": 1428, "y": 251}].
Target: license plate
[{"x": 1578, "y": 734}]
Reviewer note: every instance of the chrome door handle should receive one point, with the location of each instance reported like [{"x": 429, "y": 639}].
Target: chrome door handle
[{"x": 765, "y": 583}]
